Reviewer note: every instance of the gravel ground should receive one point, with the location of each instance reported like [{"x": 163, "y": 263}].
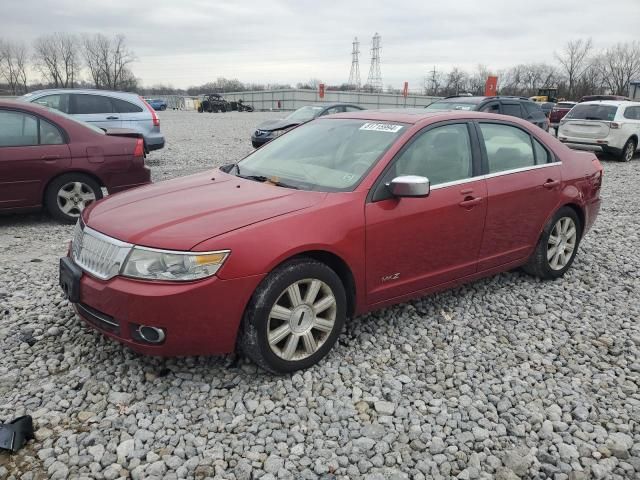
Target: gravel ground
[{"x": 505, "y": 378}]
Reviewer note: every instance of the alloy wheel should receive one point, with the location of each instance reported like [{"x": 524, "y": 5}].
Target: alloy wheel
[
  {"x": 628, "y": 153},
  {"x": 73, "y": 197},
  {"x": 562, "y": 243},
  {"x": 302, "y": 319}
]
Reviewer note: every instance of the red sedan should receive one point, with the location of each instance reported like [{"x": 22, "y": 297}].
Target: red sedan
[
  {"x": 51, "y": 159},
  {"x": 342, "y": 215}
]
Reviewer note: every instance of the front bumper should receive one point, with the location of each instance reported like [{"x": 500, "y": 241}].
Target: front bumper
[{"x": 198, "y": 318}]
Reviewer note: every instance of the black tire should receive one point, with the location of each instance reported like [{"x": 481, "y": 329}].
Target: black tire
[
  {"x": 89, "y": 185},
  {"x": 163, "y": 108},
  {"x": 200, "y": 109},
  {"x": 214, "y": 109},
  {"x": 628, "y": 151},
  {"x": 538, "y": 264},
  {"x": 253, "y": 336}
]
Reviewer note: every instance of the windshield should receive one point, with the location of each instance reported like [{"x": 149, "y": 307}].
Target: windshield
[
  {"x": 443, "y": 106},
  {"x": 304, "y": 114},
  {"x": 593, "y": 112},
  {"x": 328, "y": 155}
]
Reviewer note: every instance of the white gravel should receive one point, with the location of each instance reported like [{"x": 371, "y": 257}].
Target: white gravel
[{"x": 507, "y": 377}]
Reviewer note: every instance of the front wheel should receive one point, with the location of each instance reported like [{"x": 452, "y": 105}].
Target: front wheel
[
  {"x": 557, "y": 246},
  {"x": 294, "y": 316},
  {"x": 628, "y": 151},
  {"x": 69, "y": 194}
]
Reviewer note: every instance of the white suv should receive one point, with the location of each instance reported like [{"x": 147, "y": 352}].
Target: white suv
[{"x": 612, "y": 125}]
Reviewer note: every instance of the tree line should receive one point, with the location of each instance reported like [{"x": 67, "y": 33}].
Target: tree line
[
  {"x": 579, "y": 69},
  {"x": 63, "y": 60}
]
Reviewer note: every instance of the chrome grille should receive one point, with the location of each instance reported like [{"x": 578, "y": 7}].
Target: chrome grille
[{"x": 98, "y": 254}]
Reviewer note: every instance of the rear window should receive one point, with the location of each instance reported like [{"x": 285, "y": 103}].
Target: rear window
[{"x": 593, "y": 112}]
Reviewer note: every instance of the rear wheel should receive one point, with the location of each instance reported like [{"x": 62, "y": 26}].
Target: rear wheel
[
  {"x": 557, "y": 246},
  {"x": 69, "y": 194},
  {"x": 294, "y": 316},
  {"x": 628, "y": 151}
]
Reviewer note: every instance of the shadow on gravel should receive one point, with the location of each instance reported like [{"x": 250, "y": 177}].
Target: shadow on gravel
[{"x": 27, "y": 219}]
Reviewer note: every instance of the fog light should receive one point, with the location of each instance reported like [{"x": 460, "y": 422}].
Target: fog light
[{"x": 147, "y": 334}]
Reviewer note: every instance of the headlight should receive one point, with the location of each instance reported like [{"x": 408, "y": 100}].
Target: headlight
[{"x": 152, "y": 264}]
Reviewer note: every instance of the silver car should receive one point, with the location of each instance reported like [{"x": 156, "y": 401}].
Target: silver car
[{"x": 106, "y": 109}]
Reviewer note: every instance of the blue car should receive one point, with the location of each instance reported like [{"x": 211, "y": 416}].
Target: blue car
[{"x": 157, "y": 103}]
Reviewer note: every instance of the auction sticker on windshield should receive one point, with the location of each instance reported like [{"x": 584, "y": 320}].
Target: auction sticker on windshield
[{"x": 381, "y": 127}]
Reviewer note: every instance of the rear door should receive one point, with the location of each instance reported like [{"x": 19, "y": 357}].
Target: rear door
[
  {"x": 523, "y": 185},
  {"x": 512, "y": 108},
  {"x": 96, "y": 109},
  {"x": 32, "y": 151},
  {"x": 133, "y": 116},
  {"x": 413, "y": 244}
]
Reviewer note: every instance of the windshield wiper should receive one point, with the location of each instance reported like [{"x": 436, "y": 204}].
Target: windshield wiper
[{"x": 263, "y": 179}]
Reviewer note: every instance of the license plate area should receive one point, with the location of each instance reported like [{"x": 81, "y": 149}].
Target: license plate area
[{"x": 69, "y": 279}]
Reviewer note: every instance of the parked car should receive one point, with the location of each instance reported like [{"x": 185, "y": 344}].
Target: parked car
[
  {"x": 610, "y": 125},
  {"x": 520, "y": 107},
  {"x": 546, "y": 107},
  {"x": 340, "y": 216},
  {"x": 105, "y": 109},
  {"x": 52, "y": 159},
  {"x": 558, "y": 112},
  {"x": 213, "y": 102},
  {"x": 267, "y": 131},
  {"x": 157, "y": 103}
]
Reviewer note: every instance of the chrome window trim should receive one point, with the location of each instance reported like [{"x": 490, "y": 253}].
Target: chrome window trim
[{"x": 493, "y": 175}]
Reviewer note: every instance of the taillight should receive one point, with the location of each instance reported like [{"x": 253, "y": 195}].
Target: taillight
[
  {"x": 154, "y": 115},
  {"x": 139, "y": 150}
]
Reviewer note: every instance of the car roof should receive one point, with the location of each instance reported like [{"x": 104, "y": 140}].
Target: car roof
[
  {"x": 613, "y": 103},
  {"x": 109, "y": 93},
  {"x": 420, "y": 115}
]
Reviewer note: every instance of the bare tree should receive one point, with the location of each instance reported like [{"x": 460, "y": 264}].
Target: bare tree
[
  {"x": 478, "y": 80},
  {"x": 13, "y": 66},
  {"x": 433, "y": 82},
  {"x": 108, "y": 60},
  {"x": 57, "y": 58},
  {"x": 573, "y": 60},
  {"x": 619, "y": 65},
  {"x": 456, "y": 81}
]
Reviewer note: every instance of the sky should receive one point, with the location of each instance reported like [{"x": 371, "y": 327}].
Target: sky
[{"x": 190, "y": 42}]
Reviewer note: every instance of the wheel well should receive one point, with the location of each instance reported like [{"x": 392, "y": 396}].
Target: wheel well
[
  {"x": 579, "y": 212},
  {"x": 339, "y": 266},
  {"x": 635, "y": 139},
  {"x": 90, "y": 175}
]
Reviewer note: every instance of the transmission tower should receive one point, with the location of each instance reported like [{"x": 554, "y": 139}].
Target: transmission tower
[
  {"x": 354, "y": 76},
  {"x": 374, "y": 81}
]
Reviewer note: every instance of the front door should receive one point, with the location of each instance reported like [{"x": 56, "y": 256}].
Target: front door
[
  {"x": 523, "y": 183},
  {"x": 413, "y": 244}
]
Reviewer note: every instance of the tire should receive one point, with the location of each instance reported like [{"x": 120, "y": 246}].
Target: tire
[
  {"x": 200, "y": 109},
  {"x": 163, "y": 108},
  {"x": 69, "y": 194},
  {"x": 560, "y": 228},
  {"x": 628, "y": 151},
  {"x": 296, "y": 324}
]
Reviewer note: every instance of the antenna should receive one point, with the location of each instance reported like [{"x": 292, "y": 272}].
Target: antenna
[
  {"x": 354, "y": 76},
  {"x": 374, "y": 81}
]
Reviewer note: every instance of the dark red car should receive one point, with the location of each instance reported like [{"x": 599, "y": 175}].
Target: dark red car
[
  {"x": 558, "y": 112},
  {"x": 339, "y": 216},
  {"x": 51, "y": 159}
]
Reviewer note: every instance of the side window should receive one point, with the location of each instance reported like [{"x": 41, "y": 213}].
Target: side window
[
  {"x": 49, "y": 134},
  {"x": 531, "y": 108},
  {"x": 493, "y": 107},
  {"x": 87, "y": 104},
  {"x": 542, "y": 155},
  {"x": 122, "y": 106},
  {"x": 17, "y": 129},
  {"x": 442, "y": 154},
  {"x": 632, "y": 113},
  {"x": 57, "y": 101},
  {"x": 352, "y": 109},
  {"x": 507, "y": 147},
  {"x": 332, "y": 110},
  {"x": 512, "y": 109}
]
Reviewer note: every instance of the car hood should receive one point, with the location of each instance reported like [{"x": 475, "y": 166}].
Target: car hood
[
  {"x": 271, "y": 125},
  {"x": 178, "y": 214}
]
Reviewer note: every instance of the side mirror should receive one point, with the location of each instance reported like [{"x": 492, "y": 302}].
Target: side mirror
[{"x": 409, "y": 186}]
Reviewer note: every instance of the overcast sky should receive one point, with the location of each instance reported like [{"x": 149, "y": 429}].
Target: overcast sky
[{"x": 190, "y": 42}]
